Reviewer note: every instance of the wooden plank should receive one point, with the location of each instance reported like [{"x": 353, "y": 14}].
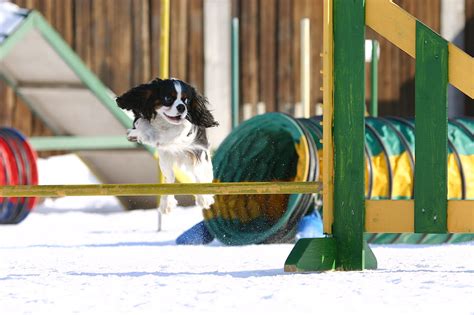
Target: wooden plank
[
  {"x": 243, "y": 188},
  {"x": 126, "y": 70},
  {"x": 155, "y": 29},
  {"x": 100, "y": 42},
  {"x": 8, "y": 104},
  {"x": 397, "y": 216},
  {"x": 461, "y": 216},
  {"x": 140, "y": 42},
  {"x": 195, "y": 63},
  {"x": 22, "y": 118},
  {"x": 395, "y": 24},
  {"x": 328, "y": 113},
  {"x": 399, "y": 27},
  {"x": 64, "y": 16},
  {"x": 349, "y": 74},
  {"x": 431, "y": 121},
  {"x": 249, "y": 54},
  {"x": 267, "y": 53},
  {"x": 178, "y": 37},
  {"x": 82, "y": 27},
  {"x": 284, "y": 43},
  {"x": 389, "y": 216},
  {"x": 461, "y": 68}
]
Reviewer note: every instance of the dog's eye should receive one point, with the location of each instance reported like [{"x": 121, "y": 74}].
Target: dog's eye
[
  {"x": 186, "y": 101},
  {"x": 167, "y": 99}
]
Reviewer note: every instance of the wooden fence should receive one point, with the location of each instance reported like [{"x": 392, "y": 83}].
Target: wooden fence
[{"x": 119, "y": 41}]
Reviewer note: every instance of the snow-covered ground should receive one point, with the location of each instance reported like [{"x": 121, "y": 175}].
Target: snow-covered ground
[{"x": 82, "y": 261}]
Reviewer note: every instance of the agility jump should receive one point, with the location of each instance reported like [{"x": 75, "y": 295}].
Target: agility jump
[{"x": 347, "y": 215}]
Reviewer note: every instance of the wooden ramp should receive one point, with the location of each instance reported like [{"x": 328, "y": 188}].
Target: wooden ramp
[{"x": 57, "y": 86}]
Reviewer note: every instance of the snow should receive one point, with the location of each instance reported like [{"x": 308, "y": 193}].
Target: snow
[{"x": 89, "y": 261}]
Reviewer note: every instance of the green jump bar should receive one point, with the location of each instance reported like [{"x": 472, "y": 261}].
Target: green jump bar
[
  {"x": 161, "y": 189},
  {"x": 73, "y": 143}
]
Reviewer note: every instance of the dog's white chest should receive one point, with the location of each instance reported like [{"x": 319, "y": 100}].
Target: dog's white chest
[{"x": 165, "y": 136}]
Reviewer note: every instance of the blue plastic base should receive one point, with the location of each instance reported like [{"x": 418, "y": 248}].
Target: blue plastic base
[
  {"x": 310, "y": 226},
  {"x": 197, "y": 235}
]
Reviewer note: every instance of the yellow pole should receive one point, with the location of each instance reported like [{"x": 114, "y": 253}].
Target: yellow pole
[
  {"x": 305, "y": 67},
  {"x": 328, "y": 151},
  {"x": 164, "y": 71},
  {"x": 165, "y": 40},
  {"x": 242, "y": 188}
]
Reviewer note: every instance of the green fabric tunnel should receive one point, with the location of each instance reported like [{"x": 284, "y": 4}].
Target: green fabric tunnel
[{"x": 278, "y": 147}]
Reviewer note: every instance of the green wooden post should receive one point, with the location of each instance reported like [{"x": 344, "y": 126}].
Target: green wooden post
[
  {"x": 349, "y": 88},
  {"x": 431, "y": 129},
  {"x": 346, "y": 248}
]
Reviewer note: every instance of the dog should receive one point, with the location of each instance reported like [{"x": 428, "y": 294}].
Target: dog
[{"x": 172, "y": 116}]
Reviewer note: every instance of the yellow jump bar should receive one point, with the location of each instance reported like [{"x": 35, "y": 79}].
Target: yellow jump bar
[{"x": 161, "y": 189}]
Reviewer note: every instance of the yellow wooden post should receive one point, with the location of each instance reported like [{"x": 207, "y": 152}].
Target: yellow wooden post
[
  {"x": 164, "y": 72},
  {"x": 165, "y": 40},
  {"x": 328, "y": 156}
]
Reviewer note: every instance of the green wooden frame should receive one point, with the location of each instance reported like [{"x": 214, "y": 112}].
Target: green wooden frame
[
  {"x": 345, "y": 249},
  {"x": 431, "y": 131}
]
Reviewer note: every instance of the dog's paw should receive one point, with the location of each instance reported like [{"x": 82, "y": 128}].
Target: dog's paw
[
  {"x": 132, "y": 135},
  {"x": 167, "y": 204},
  {"x": 204, "y": 201}
]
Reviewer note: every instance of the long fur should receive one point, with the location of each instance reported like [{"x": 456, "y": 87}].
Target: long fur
[{"x": 172, "y": 116}]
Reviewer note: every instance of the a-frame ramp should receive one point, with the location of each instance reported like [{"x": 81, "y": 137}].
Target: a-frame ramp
[{"x": 60, "y": 89}]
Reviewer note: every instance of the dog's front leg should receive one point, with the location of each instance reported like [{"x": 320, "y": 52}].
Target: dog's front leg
[
  {"x": 167, "y": 202},
  {"x": 143, "y": 133}
]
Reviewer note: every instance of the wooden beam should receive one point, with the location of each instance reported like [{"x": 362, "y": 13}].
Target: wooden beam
[
  {"x": 328, "y": 110},
  {"x": 397, "y": 216},
  {"x": 399, "y": 27},
  {"x": 349, "y": 86},
  {"x": 160, "y": 189},
  {"x": 431, "y": 132}
]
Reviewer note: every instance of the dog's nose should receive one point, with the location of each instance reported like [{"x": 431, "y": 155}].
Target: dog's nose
[{"x": 180, "y": 108}]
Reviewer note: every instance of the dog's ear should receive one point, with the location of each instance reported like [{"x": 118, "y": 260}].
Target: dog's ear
[
  {"x": 198, "y": 114},
  {"x": 156, "y": 81},
  {"x": 140, "y": 100}
]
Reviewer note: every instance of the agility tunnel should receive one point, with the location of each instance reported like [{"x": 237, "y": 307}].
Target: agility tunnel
[
  {"x": 17, "y": 167},
  {"x": 278, "y": 147}
]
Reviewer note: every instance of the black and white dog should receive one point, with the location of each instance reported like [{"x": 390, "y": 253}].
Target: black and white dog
[{"x": 171, "y": 116}]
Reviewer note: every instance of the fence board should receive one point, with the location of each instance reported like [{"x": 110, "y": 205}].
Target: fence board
[
  {"x": 285, "y": 95},
  {"x": 178, "y": 50},
  {"x": 267, "y": 54},
  {"x": 249, "y": 53},
  {"x": 195, "y": 51}
]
